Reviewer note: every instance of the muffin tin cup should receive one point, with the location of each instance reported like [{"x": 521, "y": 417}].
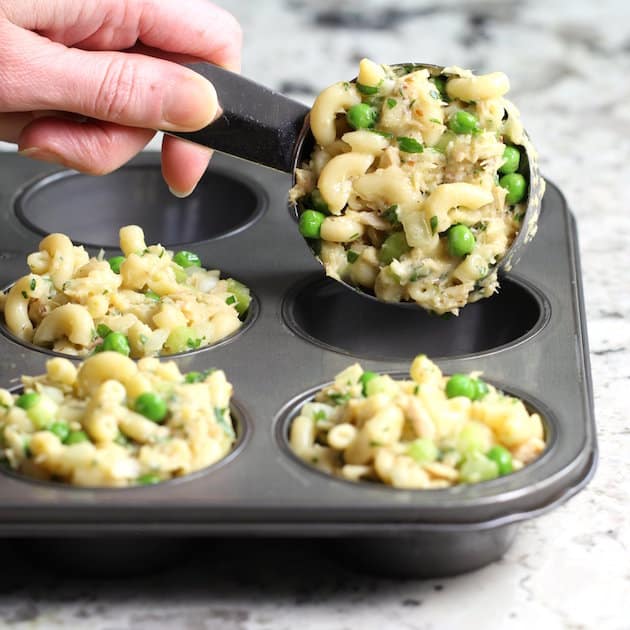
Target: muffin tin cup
[{"x": 529, "y": 340}]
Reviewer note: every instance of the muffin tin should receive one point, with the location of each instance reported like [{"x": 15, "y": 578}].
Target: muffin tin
[{"x": 530, "y": 340}]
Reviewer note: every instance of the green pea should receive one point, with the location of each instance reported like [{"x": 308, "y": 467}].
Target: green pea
[
  {"x": 187, "y": 259},
  {"x": 116, "y": 342},
  {"x": 115, "y": 263},
  {"x": 481, "y": 389},
  {"x": 515, "y": 185},
  {"x": 461, "y": 240},
  {"x": 148, "y": 479},
  {"x": 318, "y": 202},
  {"x": 502, "y": 458},
  {"x": 464, "y": 122},
  {"x": 361, "y": 116},
  {"x": 461, "y": 385},
  {"x": 242, "y": 295},
  {"x": 311, "y": 223},
  {"x": 365, "y": 378},
  {"x": 27, "y": 400},
  {"x": 60, "y": 429},
  {"x": 423, "y": 450},
  {"x": 76, "y": 437},
  {"x": 151, "y": 406},
  {"x": 394, "y": 246},
  {"x": 511, "y": 160}
]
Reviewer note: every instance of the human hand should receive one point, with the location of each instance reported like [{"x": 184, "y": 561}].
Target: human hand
[{"x": 84, "y": 83}]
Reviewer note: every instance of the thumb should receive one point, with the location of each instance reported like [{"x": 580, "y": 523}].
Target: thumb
[{"x": 125, "y": 88}]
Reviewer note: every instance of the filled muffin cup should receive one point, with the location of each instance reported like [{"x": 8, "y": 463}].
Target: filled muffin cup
[
  {"x": 149, "y": 301},
  {"x": 114, "y": 422},
  {"x": 429, "y": 431}
]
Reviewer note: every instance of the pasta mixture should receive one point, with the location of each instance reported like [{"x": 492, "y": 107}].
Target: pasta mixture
[
  {"x": 148, "y": 302},
  {"x": 431, "y": 431},
  {"x": 113, "y": 422},
  {"x": 416, "y": 187}
]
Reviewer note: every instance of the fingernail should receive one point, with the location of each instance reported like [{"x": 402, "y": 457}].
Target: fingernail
[
  {"x": 189, "y": 104},
  {"x": 179, "y": 194},
  {"x": 45, "y": 155}
]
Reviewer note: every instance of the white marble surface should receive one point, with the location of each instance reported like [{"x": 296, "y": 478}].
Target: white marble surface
[{"x": 569, "y": 64}]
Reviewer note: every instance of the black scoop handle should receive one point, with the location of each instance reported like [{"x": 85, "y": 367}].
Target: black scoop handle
[{"x": 256, "y": 123}]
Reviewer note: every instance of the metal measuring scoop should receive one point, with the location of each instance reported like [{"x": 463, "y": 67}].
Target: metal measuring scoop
[{"x": 263, "y": 126}]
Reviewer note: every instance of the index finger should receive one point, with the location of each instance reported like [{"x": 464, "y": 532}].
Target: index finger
[{"x": 190, "y": 27}]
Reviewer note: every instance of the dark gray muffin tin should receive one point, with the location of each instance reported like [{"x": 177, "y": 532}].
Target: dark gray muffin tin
[{"x": 529, "y": 340}]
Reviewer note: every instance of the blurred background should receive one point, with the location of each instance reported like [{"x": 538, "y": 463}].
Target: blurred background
[{"x": 569, "y": 65}]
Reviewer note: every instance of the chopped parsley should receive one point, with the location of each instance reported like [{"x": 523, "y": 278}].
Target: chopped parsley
[
  {"x": 33, "y": 284},
  {"x": 352, "y": 256},
  {"x": 391, "y": 214},
  {"x": 339, "y": 398},
  {"x": 25, "y": 295},
  {"x": 230, "y": 300},
  {"x": 102, "y": 330},
  {"x": 434, "y": 224},
  {"x": 227, "y": 427},
  {"x": 391, "y": 102},
  {"x": 385, "y": 134},
  {"x": 193, "y": 344},
  {"x": 409, "y": 145}
]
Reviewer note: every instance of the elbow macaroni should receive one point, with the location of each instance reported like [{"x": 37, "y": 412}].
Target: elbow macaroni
[
  {"x": 415, "y": 169},
  {"x": 415, "y": 433},
  {"x": 71, "y": 302},
  {"x": 85, "y": 427}
]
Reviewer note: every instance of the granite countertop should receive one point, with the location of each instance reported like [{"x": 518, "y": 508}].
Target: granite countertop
[{"x": 569, "y": 569}]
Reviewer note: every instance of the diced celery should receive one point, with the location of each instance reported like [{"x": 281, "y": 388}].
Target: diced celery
[
  {"x": 43, "y": 412},
  {"x": 242, "y": 295},
  {"x": 423, "y": 450},
  {"x": 178, "y": 340},
  {"x": 474, "y": 437},
  {"x": 477, "y": 467}
]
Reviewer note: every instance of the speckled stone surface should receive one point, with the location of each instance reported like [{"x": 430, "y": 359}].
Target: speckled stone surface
[{"x": 569, "y": 64}]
